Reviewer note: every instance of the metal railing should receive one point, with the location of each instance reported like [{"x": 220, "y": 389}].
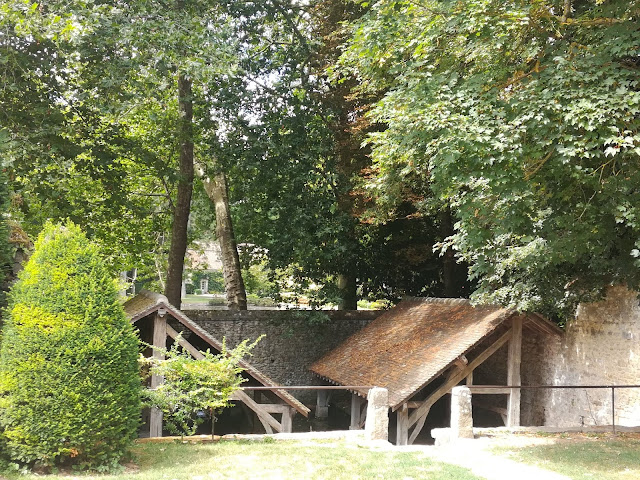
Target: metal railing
[{"x": 576, "y": 387}]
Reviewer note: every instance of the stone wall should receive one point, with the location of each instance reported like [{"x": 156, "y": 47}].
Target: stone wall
[
  {"x": 293, "y": 339},
  {"x": 601, "y": 346}
]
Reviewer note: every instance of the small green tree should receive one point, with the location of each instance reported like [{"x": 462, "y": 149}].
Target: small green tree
[
  {"x": 192, "y": 386},
  {"x": 69, "y": 381}
]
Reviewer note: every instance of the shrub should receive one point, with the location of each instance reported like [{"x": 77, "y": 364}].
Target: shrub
[
  {"x": 69, "y": 381},
  {"x": 192, "y": 386},
  {"x": 5, "y": 250}
]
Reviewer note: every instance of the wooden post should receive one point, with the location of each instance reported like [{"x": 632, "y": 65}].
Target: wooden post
[
  {"x": 287, "y": 420},
  {"x": 160, "y": 341},
  {"x": 402, "y": 425},
  {"x": 322, "y": 404},
  {"x": 356, "y": 403},
  {"x": 513, "y": 372}
]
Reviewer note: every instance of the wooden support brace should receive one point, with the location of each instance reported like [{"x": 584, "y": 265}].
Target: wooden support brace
[
  {"x": 287, "y": 420},
  {"x": 479, "y": 390},
  {"x": 418, "y": 428},
  {"x": 402, "y": 425},
  {"x": 363, "y": 415},
  {"x": 356, "y": 403},
  {"x": 265, "y": 417},
  {"x": 513, "y": 372},
  {"x": 456, "y": 377},
  {"x": 322, "y": 404}
]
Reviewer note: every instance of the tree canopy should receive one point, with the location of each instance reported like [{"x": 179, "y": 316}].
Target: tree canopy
[
  {"x": 523, "y": 116},
  {"x": 366, "y": 145}
]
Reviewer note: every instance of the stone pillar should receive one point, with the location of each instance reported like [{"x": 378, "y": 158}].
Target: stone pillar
[
  {"x": 461, "y": 414},
  {"x": 377, "y": 425}
]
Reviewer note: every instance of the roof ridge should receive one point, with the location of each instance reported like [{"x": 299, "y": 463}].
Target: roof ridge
[
  {"x": 157, "y": 297},
  {"x": 448, "y": 301}
]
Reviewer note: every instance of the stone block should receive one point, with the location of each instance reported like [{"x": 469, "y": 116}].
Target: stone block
[
  {"x": 461, "y": 413},
  {"x": 377, "y": 424}
]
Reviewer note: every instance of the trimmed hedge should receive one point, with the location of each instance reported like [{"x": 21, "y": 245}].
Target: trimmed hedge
[
  {"x": 5, "y": 250},
  {"x": 69, "y": 377}
]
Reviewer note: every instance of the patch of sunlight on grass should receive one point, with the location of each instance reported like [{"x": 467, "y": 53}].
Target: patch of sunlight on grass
[
  {"x": 273, "y": 461},
  {"x": 604, "y": 459}
]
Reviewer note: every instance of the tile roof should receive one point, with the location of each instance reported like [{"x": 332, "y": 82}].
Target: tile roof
[
  {"x": 146, "y": 303},
  {"x": 410, "y": 345}
]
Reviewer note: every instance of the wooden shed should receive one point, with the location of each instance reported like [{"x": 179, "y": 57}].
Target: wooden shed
[
  {"x": 430, "y": 345},
  {"x": 160, "y": 324}
]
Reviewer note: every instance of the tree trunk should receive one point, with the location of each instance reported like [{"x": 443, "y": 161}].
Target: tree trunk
[
  {"x": 216, "y": 189},
  {"x": 348, "y": 292},
  {"x": 182, "y": 206}
]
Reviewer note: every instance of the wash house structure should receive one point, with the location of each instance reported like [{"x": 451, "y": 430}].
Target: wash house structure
[
  {"x": 424, "y": 347},
  {"x": 160, "y": 324}
]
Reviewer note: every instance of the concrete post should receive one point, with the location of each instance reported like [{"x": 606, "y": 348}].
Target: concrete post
[
  {"x": 377, "y": 425},
  {"x": 461, "y": 413}
]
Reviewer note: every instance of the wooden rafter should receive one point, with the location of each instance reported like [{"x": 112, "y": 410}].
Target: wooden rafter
[{"x": 417, "y": 418}]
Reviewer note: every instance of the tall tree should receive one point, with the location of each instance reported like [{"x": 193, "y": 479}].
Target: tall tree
[{"x": 523, "y": 116}]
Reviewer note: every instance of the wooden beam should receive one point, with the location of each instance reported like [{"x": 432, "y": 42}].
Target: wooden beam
[
  {"x": 287, "y": 420},
  {"x": 481, "y": 390},
  {"x": 514, "y": 360},
  {"x": 363, "y": 415},
  {"x": 264, "y": 416},
  {"x": 469, "y": 380},
  {"x": 418, "y": 428},
  {"x": 322, "y": 404},
  {"x": 454, "y": 379},
  {"x": 195, "y": 353},
  {"x": 159, "y": 341},
  {"x": 356, "y": 403},
  {"x": 402, "y": 425}
]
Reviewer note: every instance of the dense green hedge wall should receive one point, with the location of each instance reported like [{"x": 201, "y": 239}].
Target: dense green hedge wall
[
  {"x": 5, "y": 251},
  {"x": 69, "y": 380}
]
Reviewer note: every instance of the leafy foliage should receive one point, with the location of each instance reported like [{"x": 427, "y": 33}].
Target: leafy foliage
[
  {"x": 193, "y": 388},
  {"x": 5, "y": 250},
  {"x": 523, "y": 115},
  {"x": 69, "y": 381}
]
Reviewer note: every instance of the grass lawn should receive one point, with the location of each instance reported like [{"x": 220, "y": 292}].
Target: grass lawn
[
  {"x": 273, "y": 460},
  {"x": 583, "y": 457}
]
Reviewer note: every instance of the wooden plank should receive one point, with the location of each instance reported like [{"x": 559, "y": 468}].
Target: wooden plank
[
  {"x": 469, "y": 380},
  {"x": 481, "y": 390},
  {"x": 322, "y": 404},
  {"x": 264, "y": 416},
  {"x": 514, "y": 359},
  {"x": 195, "y": 353},
  {"x": 159, "y": 341},
  {"x": 287, "y": 420},
  {"x": 356, "y": 403},
  {"x": 454, "y": 379},
  {"x": 418, "y": 428},
  {"x": 402, "y": 425},
  {"x": 363, "y": 415},
  {"x": 274, "y": 407}
]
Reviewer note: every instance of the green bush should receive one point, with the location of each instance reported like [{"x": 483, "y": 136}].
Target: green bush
[
  {"x": 5, "y": 250},
  {"x": 69, "y": 378},
  {"x": 194, "y": 386}
]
